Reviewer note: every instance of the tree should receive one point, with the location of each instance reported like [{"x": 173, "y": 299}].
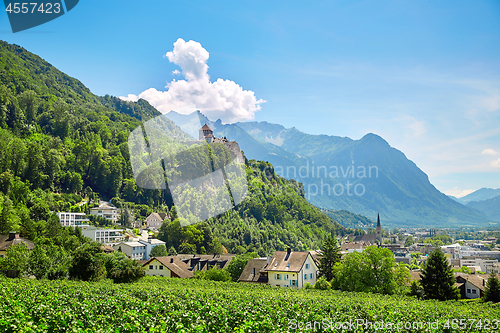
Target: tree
[
  {"x": 330, "y": 255},
  {"x": 172, "y": 251},
  {"x": 122, "y": 269},
  {"x": 492, "y": 290},
  {"x": 88, "y": 263},
  {"x": 159, "y": 251},
  {"x": 237, "y": 265},
  {"x": 438, "y": 281},
  {"x": 16, "y": 258},
  {"x": 373, "y": 270}
]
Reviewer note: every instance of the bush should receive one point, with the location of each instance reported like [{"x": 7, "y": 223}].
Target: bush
[
  {"x": 214, "y": 274},
  {"x": 322, "y": 284}
]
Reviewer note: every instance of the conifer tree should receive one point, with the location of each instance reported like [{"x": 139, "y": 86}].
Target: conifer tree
[
  {"x": 437, "y": 276},
  {"x": 492, "y": 290},
  {"x": 330, "y": 255}
]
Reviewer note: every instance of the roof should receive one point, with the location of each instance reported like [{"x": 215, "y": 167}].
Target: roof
[
  {"x": 252, "y": 271},
  {"x": 107, "y": 248},
  {"x": 192, "y": 260},
  {"x": 131, "y": 244},
  {"x": 163, "y": 216},
  {"x": 174, "y": 264},
  {"x": 7, "y": 241},
  {"x": 205, "y": 128},
  {"x": 365, "y": 238},
  {"x": 476, "y": 280},
  {"x": 282, "y": 262},
  {"x": 156, "y": 215}
]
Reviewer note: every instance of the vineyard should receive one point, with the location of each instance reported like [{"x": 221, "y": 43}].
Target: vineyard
[{"x": 175, "y": 305}]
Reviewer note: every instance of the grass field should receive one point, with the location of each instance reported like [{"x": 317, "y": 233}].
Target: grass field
[{"x": 174, "y": 305}]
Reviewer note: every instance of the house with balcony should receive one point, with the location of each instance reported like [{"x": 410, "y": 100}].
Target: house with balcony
[
  {"x": 291, "y": 269},
  {"x": 69, "y": 219},
  {"x": 106, "y": 210},
  {"x": 102, "y": 235}
]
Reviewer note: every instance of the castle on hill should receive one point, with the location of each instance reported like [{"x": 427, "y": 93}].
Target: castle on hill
[{"x": 207, "y": 134}]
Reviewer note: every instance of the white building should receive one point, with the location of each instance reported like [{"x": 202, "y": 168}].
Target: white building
[
  {"x": 102, "y": 235},
  {"x": 69, "y": 219},
  {"x": 483, "y": 265},
  {"x": 134, "y": 250},
  {"x": 291, "y": 269},
  {"x": 106, "y": 210},
  {"x": 150, "y": 244}
]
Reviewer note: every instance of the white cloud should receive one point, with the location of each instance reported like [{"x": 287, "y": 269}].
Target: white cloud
[
  {"x": 130, "y": 98},
  {"x": 495, "y": 163},
  {"x": 489, "y": 151},
  {"x": 223, "y": 99},
  {"x": 176, "y": 72},
  {"x": 458, "y": 193},
  {"x": 417, "y": 127}
]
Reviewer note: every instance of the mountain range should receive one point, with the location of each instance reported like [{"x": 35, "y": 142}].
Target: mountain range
[{"x": 365, "y": 176}]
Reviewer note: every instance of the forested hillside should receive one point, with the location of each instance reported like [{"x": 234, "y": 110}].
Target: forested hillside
[{"x": 61, "y": 144}]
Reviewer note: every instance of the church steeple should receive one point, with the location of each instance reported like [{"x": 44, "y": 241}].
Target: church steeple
[{"x": 379, "y": 229}]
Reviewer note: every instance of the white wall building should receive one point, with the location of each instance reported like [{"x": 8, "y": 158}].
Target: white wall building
[
  {"x": 134, "y": 250},
  {"x": 291, "y": 269},
  {"x": 102, "y": 235},
  {"x": 69, "y": 219},
  {"x": 106, "y": 210}
]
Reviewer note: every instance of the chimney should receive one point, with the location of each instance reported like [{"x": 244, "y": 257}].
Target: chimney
[
  {"x": 13, "y": 235},
  {"x": 269, "y": 259},
  {"x": 171, "y": 260},
  {"x": 288, "y": 251}
]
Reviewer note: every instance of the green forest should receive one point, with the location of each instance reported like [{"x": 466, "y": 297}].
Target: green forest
[{"x": 64, "y": 147}]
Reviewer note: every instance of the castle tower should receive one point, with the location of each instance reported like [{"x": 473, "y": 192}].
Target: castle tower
[
  {"x": 379, "y": 229},
  {"x": 206, "y": 133}
]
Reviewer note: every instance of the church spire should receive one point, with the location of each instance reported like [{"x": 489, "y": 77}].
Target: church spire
[{"x": 379, "y": 229}]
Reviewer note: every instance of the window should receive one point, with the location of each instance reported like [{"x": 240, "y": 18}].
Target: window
[
  {"x": 307, "y": 266},
  {"x": 288, "y": 266},
  {"x": 161, "y": 267},
  {"x": 473, "y": 291},
  {"x": 312, "y": 275},
  {"x": 305, "y": 276},
  {"x": 278, "y": 277},
  {"x": 150, "y": 266},
  {"x": 468, "y": 291},
  {"x": 293, "y": 282},
  {"x": 286, "y": 276}
]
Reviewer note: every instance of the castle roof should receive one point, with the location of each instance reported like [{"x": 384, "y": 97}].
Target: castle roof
[{"x": 205, "y": 128}]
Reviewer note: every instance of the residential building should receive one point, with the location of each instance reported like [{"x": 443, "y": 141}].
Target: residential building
[
  {"x": 6, "y": 241},
  {"x": 102, "y": 235},
  {"x": 106, "y": 210},
  {"x": 471, "y": 286},
  {"x": 170, "y": 266},
  {"x": 134, "y": 250},
  {"x": 254, "y": 271},
  {"x": 480, "y": 264},
  {"x": 155, "y": 220},
  {"x": 291, "y": 269},
  {"x": 150, "y": 244},
  {"x": 69, "y": 219}
]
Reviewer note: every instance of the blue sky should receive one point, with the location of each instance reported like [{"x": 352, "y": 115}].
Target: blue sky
[{"x": 425, "y": 75}]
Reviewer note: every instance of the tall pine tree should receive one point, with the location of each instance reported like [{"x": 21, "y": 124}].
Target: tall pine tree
[
  {"x": 330, "y": 255},
  {"x": 492, "y": 291},
  {"x": 437, "y": 276}
]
